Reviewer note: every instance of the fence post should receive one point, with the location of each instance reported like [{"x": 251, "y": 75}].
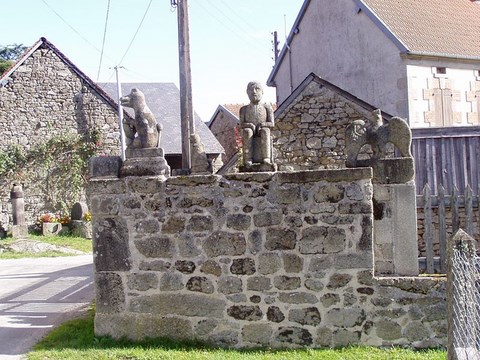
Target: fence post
[
  {"x": 462, "y": 298},
  {"x": 427, "y": 228},
  {"x": 442, "y": 230},
  {"x": 469, "y": 210},
  {"x": 455, "y": 211}
]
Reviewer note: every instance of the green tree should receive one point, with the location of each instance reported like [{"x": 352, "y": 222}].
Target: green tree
[
  {"x": 8, "y": 55},
  {"x": 4, "y": 65},
  {"x": 12, "y": 52}
]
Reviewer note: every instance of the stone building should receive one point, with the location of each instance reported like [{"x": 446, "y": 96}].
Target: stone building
[
  {"x": 419, "y": 60},
  {"x": 310, "y": 125},
  {"x": 45, "y": 94},
  {"x": 42, "y": 95},
  {"x": 222, "y": 124}
]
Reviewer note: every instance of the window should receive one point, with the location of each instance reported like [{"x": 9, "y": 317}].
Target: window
[{"x": 439, "y": 71}]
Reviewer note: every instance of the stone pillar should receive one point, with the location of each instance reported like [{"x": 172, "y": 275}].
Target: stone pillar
[
  {"x": 395, "y": 217},
  {"x": 19, "y": 228},
  {"x": 395, "y": 230}
]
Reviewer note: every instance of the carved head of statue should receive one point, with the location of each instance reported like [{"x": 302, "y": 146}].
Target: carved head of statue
[{"x": 254, "y": 91}]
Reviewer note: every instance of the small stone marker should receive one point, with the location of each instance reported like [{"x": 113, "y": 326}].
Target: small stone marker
[
  {"x": 19, "y": 228},
  {"x": 79, "y": 209},
  {"x": 78, "y": 225}
]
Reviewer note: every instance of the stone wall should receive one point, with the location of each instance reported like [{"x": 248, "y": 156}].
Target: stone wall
[
  {"x": 310, "y": 132},
  {"x": 246, "y": 260},
  {"x": 42, "y": 98}
]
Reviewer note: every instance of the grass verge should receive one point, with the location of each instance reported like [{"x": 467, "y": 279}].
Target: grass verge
[
  {"x": 72, "y": 242},
  {"x": 75, "y": 339}
]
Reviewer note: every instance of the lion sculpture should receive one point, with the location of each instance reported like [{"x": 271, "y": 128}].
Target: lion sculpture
[
  {"x": 377, "y": 135},
  {"x": 144, "y": 131}
]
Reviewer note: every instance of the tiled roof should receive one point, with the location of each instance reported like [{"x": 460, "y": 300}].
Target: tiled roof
[
  {"x": 163, "y": 99},
  {"x": 234, "y": 108},
  {"x": 434, "y": 27}
]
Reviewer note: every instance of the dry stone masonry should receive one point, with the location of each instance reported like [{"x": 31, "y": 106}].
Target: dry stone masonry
[
  {"x": 310, "y": 131},
  {"x": 252, "y": 259},
  {"x": 43, "y": 97}
]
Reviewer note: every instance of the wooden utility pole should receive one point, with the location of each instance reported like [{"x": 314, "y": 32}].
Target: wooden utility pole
[
  {"x": 275, "y": 46},
  {"x": 186, "y": 105}
]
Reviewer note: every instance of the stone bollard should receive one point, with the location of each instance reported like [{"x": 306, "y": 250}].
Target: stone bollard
[{"x": 19, "y": 228}]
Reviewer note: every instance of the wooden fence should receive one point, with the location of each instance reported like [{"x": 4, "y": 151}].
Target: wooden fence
[
  {"x": 448, "y": 157},
  {"x": 451, "y": 211}
]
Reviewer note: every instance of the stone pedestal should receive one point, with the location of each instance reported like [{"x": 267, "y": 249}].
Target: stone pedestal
[
  {"x": 144, "y": 162},
  {"x": 390, "y": 171},
  {"x": 19, "y": 231},
  {"x": 258, "y": 168},
  {"x": 81, "y": 228}
]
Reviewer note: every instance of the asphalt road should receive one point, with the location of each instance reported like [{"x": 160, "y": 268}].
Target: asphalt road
[{"x": 38, "y": 294}]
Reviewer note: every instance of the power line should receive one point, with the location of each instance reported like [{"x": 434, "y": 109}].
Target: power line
[
  {"x": 240, "y": 35},
  {"x": 103, "y": 42},
  {"x": 70, "y": 26},
  {"x": 136, "y": 32}
]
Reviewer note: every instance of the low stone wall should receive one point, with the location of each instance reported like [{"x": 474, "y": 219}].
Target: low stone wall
[{"x": 245, "y": 260}]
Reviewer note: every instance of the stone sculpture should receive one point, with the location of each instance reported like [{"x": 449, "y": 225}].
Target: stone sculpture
[
  {"x": 144, "y": 131},
  {"x": 143, "y": 156},
  {"x": 19, "y": 228},
  {"x": 256, "y": 120},
  {"x": 377, "y": 135}
]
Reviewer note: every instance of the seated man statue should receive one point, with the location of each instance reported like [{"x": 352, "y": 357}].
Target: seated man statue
[{"x": 256, "y": 120}]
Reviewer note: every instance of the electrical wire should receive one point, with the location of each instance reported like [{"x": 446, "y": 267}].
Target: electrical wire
[
  {"x": 72, "y": 28},
  {"x": 136, "y": 32},
  {"x": 103, "y": 42},
  {"x": 239, "y": 34}
]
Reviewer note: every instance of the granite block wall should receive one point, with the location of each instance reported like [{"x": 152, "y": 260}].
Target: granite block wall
[{"x": 280, "y": 260}]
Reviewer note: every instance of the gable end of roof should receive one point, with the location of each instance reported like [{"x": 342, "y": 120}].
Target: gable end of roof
[{"x": 44, "y": 43}]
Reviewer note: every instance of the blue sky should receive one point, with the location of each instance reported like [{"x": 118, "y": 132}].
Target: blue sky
[{"x": 231, "y": 41}]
